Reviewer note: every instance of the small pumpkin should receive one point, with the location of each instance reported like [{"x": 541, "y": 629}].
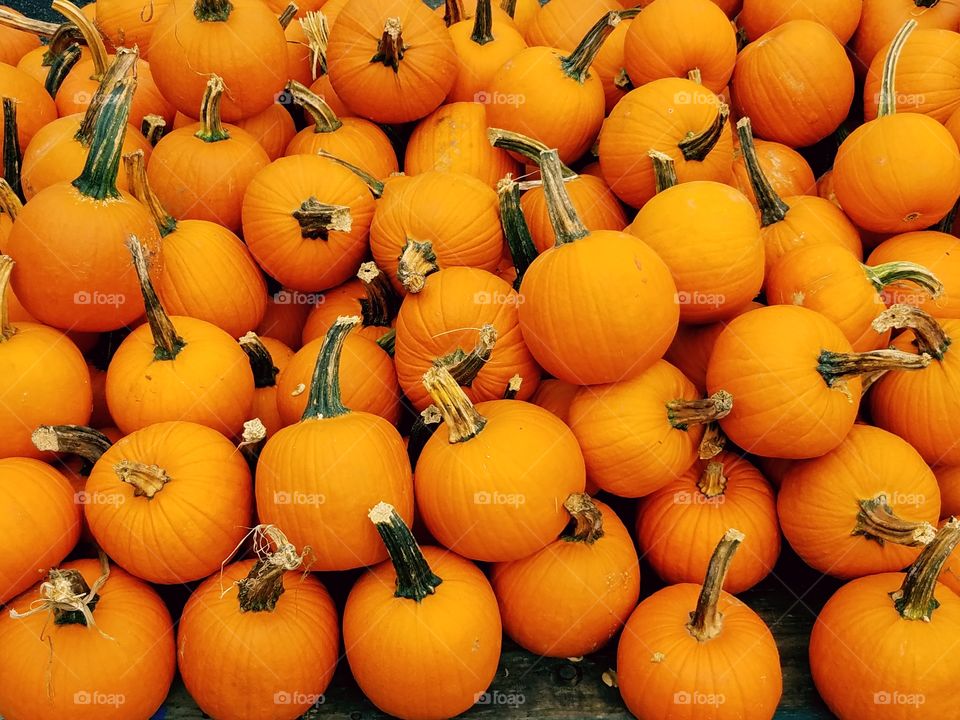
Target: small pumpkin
[
  {"x": 14, "y": 42},
  {"x": 268, "y": 358},
  {"x": 35, "y": 108},
  {"x": 761, "y": 16},
  {"x": 938, "y": 251},
  {"x": 881, "y": 19},
  {"x": 482, "y": 45},
  {"x": 609, "y": 63},
  {"x": 948, "y": 478},
  {"x": 370, "y": 295},
  {"x": 785, "y": 169},
  {"x": 273, "y": 129},
  {"x": 129, "y": 23},
  {"x": 562, "y": 23},
  {"x": 284, "y": 318}
]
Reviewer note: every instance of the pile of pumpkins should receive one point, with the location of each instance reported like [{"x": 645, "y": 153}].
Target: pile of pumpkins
[{"x": 406, "y": 290}]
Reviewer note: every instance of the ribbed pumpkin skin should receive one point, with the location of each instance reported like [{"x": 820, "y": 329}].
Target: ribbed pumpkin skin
[
  {"x": 357, "y": 141},
  {"x": 818, "y": 502},
  {"x": 593, "y": 200},
  {"x": 341, "y": 300},
  {"x": 881, "y": 19},
  {"x": 478, "y": 63},
  {"x": 761, "y": 16},
  {"x": 795, "y": 82},
  {"x": 263, "y": 657},
  {"x": 857, "y": 651},
  {"x": 570, "y": 598},
  {"x": 445, "y": 316},
  {"x": 39, "y": 510},
  {"x": 35, "y": 108},
  {"x": 499, "y": 496},
  {"x": 264, "y": 404},
  {"x": 556, "y": 396},
  {"x": 677, "y": 525},
  {"x": 273, "y": 129},
  {"x": 936, "y": 251},
  {"x": 126, "y": 23},
  {"x": 427, "y": 660},
  {"x": 750, "y": 682},
  {"x": 188, "y": 527},
  {"x": 561, "y": 24}
]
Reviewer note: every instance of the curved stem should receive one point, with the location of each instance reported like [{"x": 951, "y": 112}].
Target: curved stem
[
  {"x": 211, "y": 127},
  {"x": 421, "y": 431},
  {"x": 261, "y": 589},
  {"x": 513, "y": 387},
  {"x": 706, "y": 622},
  {"x": 167, "y": 343},
  {"x": 464, "y": 367},
  {"x": 373, "y": 185},
  {"x": 317, "y": 30},
  {"x": 586, "y": 517},
  {"x": 288, "y": 14},
  {"x": 324, "y": 118},
  {"x": 10, "y": 202},
  {"x": 317, "y": 220},
  {"x": 123, "y": 63},
  {"x": 664, "y": 170},
  {"x": 7, "y": 330},
  {"x": 77, "y": 440},
  {"x": 324, "y": 399},
  {"x": 452, "y": 12},
  {"x": 622, "y": 80},
  {"x": 60, "y": 66},
  {"x": 379, "y": 306},
  {"x": 835, "y": 367},
  {"x": 98, "y": 180},
  {"x": 713, "y": 441},
  {"x": 136, "y": 169},
  {"x": 577, "y": 64},
  {"x": 461, "y": 417},
  {"x": 515, "y": 229},
  {"x": 929, "y": 336},
  {"x": 212, "y": 10},
  {"x": 697, "y": 147},
  {"x": 66, "y": 35},
  {"x": 566, "y": 223},
  {"x": 12, "y": 156},
  {"x": 876, "y": 520},
  {"x": 147, "y": 480},
  {"x": 712, "y": 482},
  {"x": 880, "y": 276},
  {"x": 264, "y": 371},
  {"x": 91, "y": 36},
  {"x": 388, "y": 342},
  {"x": 772, "y": 208},
  {"x": 415, "y": 579},
  {"x": 915, "y": 600},
  {"x": 153, "y": 127},
  {"x": 683, "y": 413},
  {"x": 20, "y": 22},
  {"x": 888, "y": 92},
  {"x": 390, "y": 49},
  {"x": 417, "y": 261},
  {"x": 483, "y": 23},
  {"x": 526, "y": 147}
]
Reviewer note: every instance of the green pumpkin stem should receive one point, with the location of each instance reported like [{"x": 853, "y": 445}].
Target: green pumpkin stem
[
  {"x": 509, "y": 7},
  {"x": 10, "y": 202},
  {"x": 373, "y": 185},
  {"x": 317, "y": 220},
  {"x": 577, "y": 64},
  {"x": 664, "y": 170},
  {"x": 61, "y": 65},
  {"x": 929, "y": 336},
  {"x": 880, "y": 276},
  {"x": 261, "y": 589},
  {"x": 211, "y": 127},
  {"x": 288, "y": 14},
  {"x": 415, "y": 579},
  {"x": 706, "y": 622},
  {"x": 66, "y": 35},
  {"x": 147, "y": 480},
  {"x": 212, "y": 10},
  {"x": 12, "y": 156},
  {"x": 122, "y": 65},
  {"x": 324, "y": 400},
  {"x": 515, "y": 228},
  {"x": 513, "y": 388},
  {"x": 136, "y": 169},
  {"x": 167, "y": 343},
  {"x": 28, "y": 25},
  {"x": 462, "y": 419},
  {"x": 417, "y": 261},
  {"x": 84, "y": 442},
  {"x": 7, "y": 330},
  {"x": 390, "y": 49},
  {"x": 153, "y": 127},
  {"x": 380, "y": 305},
  {"x": 524, "y": 146},
  {"x": 464, "y": 366},
  {"x": 712, "y": 482},
  {"x": 388, "y": 342},
  {"x": 452, "y": 12},
  {"x": 566, "y": 223},
  {"x": 698, "y": 146},
  {"x": 683, "y": 413},
  {"x": 421, "y": 431},
  {"x": 261, "y": 362},
  {"x": 915, "y": 599},
  {"x": 887, "y": 104},
  {"x": 772, "y": 208},
  {"x": 835, "y": 367},
  {"x": 586, "y": 518},
  {"x": 98, "y": 179},
  {"x": 925, "y": 3},
  {"x": 877, "y": 521},
  {"x": 324, "y": 119},
  {"x": 91, "y": 36},
  {"x": 483, "y": 23}
]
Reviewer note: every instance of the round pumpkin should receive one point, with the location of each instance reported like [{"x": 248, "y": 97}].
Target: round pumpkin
[
  {"x": 761, "y": 16},
  {"x": 937, "y": 251},
  {"x": 482, "y": 44},
  {"x": 880, "y": 20}
]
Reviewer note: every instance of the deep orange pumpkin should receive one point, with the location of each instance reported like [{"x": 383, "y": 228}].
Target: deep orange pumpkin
[
  {"x": 482, "y": 44},
  {"x": 880, "y": 20},
  {"x": 938, "y": 251},
  {"x": 761, "y": 16}
]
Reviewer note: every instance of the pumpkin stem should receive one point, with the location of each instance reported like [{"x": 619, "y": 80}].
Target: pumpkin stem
[
  {"x": 452, "y": 12},
  {"x": 211, "y": 127},
  {"x": 98, "y": 180},
  {"x": 167, "y": 343},
  {"x": 317, "y": 30},
  {"x": 10, "y": 202},
  {"x": 147, "y": 480},
  {"x": 318, "y": 219},
  {"x": 29, "y": 25},
  {"x": 421, "y": 431},
  {"x": 7, "y": 330},
  {"x": 252, "y": 440},
  {"x": 712, "y": 482},
  {"x": 706, "y": 622},
  {"x": 698, "y": 146},
  {"x": 417, "y": 261},
  {"x": 664, "y": 170},
  {"x": 66, "y": 596},
  {"x": 713, "y": 441},
  {"x": 212, "y": 10},
  {"x": 877, "y": 521},
  {"x": 60, "y": 66},
  {"x": 513, "y": 387},
  {"x": 123, "y": 63},
  {"x": 390, "y": 49},
  {"x": 566, "y": 223},
  {"x": 288, "y": 14},
  {"x": 260, "y": 590},
  {"x": 91, "y": 36},
  {"x": 695, "y": 76},
  {"x": 683, "y": 413},
  {"x": 325, "y": 120},
  {"x": 946, "y": 224},
  {"x": 834, "y": 367},
  {"x": 888, "y": 93},
  {"x": 526, "y": 147},
  {"x": 379, "y": 306},
  {"x": 415, "y": 579},
  {"x": 623, "y": 81},
  {"x": 464, "y": 367},
  {"x": 66, "y": 34},
  {"x": 79, "y": 440},
  {"x": 577, "y": 64},
  {"x": 264, "y": 371},
  {"x": 926, "y": 3},
  {"x": 324, "y": 400},
  {"x": 914, "y": 600},
  {"x": 586, "y": 518},
  {"x": 12, "y": 156},
  {"x": 388, "y": 342},
  {"x": 136, "y": 169},
  {"x": 152, "y": 127},
  {"x": 373, "y": 185},
  {"x": 880, "y": 276},
  {"x": 509, "y": 7},
  {"x": 772, "y": 208},
  {"x": 930, "y": 337},
  {"x": 515, "y": 228},
  {"x": 483, "y": 23},
  {"x": 461, "y": 417}
]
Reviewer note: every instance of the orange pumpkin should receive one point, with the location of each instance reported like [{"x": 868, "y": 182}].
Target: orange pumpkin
[
  {"x": 285, "y": 316},
  {"x": 14, "y": 42},
  {"x": 273, "y": 129},
  {"x": 562, "y": 23},
  {"x": 35, "y": 108},
  {"x": 609, "y": 62},
  {"x": 410, "y": 646},
  {"x": 299, "y": 51},
  {"x": 948, "y": 478},
  {"x": 880, "y": 20},
  {"x": 572, "y": 596},
  {"x": 761, "y": 16},
  {"x": 391, "y": 61},
  {"x": 354, "y": 457},
  {"x": 937, "y": 251},
  {"x": 317, "y": 28},
  {"x": 482, "y": 45},
  {"x": 370, "y": 295},
  {"x": 129, "y": 23},
  {"x": 268, "y": 358},
  {"x": 785, "y": 169}
]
